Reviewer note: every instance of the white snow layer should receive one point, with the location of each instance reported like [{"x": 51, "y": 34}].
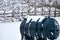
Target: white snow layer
[{"x": 10, "y": 31}]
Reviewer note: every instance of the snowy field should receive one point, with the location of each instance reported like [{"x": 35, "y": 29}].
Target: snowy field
[{"x": 10, "y": 31}]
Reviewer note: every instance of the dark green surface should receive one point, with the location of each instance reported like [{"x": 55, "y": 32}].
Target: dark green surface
[{"x": 48, "y": 27}]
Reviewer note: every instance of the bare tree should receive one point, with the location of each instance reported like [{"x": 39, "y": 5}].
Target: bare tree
[
  {"x": 50, "y": 6},
  {"x": 42, "y": 6},
  {"x": 56, "y": 4}
]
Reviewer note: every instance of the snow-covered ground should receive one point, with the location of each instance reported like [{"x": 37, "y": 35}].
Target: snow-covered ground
[{"x": 11, "y": 31}]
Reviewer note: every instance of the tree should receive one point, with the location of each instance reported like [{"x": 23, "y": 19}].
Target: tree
[{"x": 56, "y": 4}]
